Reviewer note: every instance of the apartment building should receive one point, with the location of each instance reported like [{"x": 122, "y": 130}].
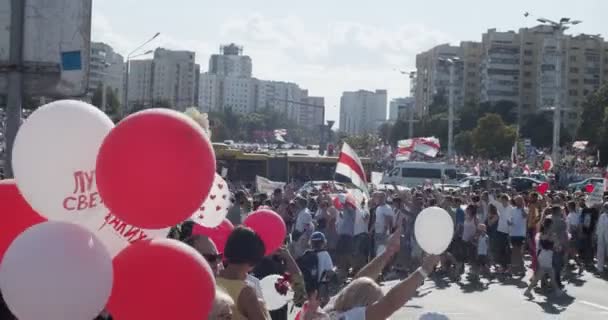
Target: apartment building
[
  {"x": 439, "y": 71},
  {"x": 169, "y": 77},
  {"x": 106, "y": 67},
  {"x": 500, "y": 66},
  {"x": 362, "y": 111},
  {"x": 400, "y": 108}
]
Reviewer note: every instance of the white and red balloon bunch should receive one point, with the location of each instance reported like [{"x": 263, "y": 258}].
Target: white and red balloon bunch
[{"x": 84, "y": 220}]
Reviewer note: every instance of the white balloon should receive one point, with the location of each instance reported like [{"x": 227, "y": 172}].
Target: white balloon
[
  {"x": 114, "y": 233},
  {"x": 274, "y": 300},
  {"x": 434, "y": 230},
  {"x": 56, "y": 271},
  {"x": 215, "y": 208},
  {"x": 54, "y": 158}
]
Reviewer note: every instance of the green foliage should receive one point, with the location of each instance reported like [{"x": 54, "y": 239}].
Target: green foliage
[
  {"x": 492, "y": 138},
  {"x": 112, "y": 102},
  {"x": 228, "y": 125},
  {"x": 363, "y": 143},
  {"x": 463, "y": 142},
  {"x": 593, "y": 117}
]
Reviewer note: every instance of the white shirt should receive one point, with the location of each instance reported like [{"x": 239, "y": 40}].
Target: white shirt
[
  {"x": 357, "y": 313},
  {"x": 518, "y": 220},
  {"x": 382, "y": 213},
  {"x": 503, "y": 215},
  {"x": 304, "y": 219},
  {"x": 324, "y": 263},
  {"x": 482, "y": 245},
  {"x": 573, "y": 220},
  {"x": 360, "y": 223}
]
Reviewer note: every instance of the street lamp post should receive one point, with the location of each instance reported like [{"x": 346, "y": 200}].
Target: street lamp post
[
  {"x": 452, "y": 83},
  {"x": 558, "y": 31},
  {"x": 129, "y": 57},
  {"x": 410, "y": 128}
]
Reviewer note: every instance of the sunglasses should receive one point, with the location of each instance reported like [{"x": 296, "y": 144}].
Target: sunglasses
[{"x": 213, "y": 258}]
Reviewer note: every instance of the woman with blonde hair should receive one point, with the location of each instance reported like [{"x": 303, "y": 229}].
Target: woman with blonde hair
[{"x": 363, "y": 299}]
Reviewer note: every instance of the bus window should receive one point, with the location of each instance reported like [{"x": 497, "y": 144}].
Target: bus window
[
  {"x": 451, "y": 173},
  {"x": 421, "y": 173},
  {"x": 394, "y": 172}
]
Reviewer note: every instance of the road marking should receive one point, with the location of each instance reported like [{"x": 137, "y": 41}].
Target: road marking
[{"x": 595, "y": 305}]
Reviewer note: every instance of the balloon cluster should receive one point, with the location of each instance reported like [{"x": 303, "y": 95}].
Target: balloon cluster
[{"x": 84, "y": 220}]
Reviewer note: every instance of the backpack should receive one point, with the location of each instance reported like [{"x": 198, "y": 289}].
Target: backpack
[{"x": 309, "y": 264}]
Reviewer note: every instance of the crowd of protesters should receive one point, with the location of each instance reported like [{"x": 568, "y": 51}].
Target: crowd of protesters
[{"x": 339, "y": 245}]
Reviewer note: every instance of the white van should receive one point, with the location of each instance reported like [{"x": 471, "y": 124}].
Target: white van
[{"x": 413, "y": 174}]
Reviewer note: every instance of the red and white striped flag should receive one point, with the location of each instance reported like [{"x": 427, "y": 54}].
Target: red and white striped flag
[
  {"x": 429, "y": 146},
  {"x": 527, "y": 170},
  {"x": 350, "y": 167}
]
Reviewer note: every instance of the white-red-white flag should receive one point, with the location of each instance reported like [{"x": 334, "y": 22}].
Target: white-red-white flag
[
  {"x": 429, "y": 146},
  {"x": 349, "y": 165}
]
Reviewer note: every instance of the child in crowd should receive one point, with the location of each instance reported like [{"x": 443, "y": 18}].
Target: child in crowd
[
  {"x": 483, "y": 242},
  {"x": 545, "y": 259}
]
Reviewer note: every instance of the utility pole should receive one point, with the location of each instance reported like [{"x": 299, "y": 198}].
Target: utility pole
[
  {"x": 15, "y": 81},
  {"x": 558, "y": 32}
]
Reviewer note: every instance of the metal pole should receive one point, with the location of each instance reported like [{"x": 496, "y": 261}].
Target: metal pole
[
  {"x": 15, "y": 81},
  {"x": 410, "y": 128},
  {"x": 451, "y": 112},
  {"x": 125, "y": 105},
  {"x": 557, "y": 112},
  {"x": 103, "y": 97}
]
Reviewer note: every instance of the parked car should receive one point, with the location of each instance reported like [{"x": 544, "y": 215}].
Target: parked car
[
  {"x": 521, "y": 184},
  {"x": 580, "y": 186}
]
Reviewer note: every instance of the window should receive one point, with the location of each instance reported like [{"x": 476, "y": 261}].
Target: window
[
  {"x": 573, "y": 81},
  {"x": 421, "y": 173},
  {"x": 527, "y": 74},
  {"x": 527, "y": 63},
  {"x": 572, "y": 58},
  {"x": 528, "y": 52},
  {"x": 574, "y": 70},
  {"x": 528, "y": 85},
  {"x": 573, "y": 93}
]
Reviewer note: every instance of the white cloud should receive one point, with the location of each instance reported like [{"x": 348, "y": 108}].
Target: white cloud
[{"x": 327, "y": 60}]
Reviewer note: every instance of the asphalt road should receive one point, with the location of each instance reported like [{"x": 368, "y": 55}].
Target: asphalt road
[{"x": 586, "y": 298}]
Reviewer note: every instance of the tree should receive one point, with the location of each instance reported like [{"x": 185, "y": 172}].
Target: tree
[
  {"x": 593, "y": 117},
  {"x": 112, "y": 101},
  {"x": 539, "y": 129},
  {"x": 492, "y": 138},
  {"x": 440, "y": 103},
  {"x": 384, "y": 131},
  {"x": 464, "y": 142},
  {"x": 469, "y": 114}
]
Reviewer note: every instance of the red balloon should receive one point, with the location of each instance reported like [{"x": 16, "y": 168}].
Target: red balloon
[
  {"x": 155, "y": 168},
  {"x": 16, "y": 215},
  {"x": 219, "y": 235},
  {"x": 589, "y": 188},
  {"x": 269, "y": 226},
  {"x": 542, "y": 188},
  {"x": 161, "y": 279}
]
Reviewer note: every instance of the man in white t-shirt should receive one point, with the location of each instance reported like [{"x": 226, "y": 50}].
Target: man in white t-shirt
[
  {"x": 384, "y": 222},
  {"x": 501, "y": 249},
  {"x": 361, "y": 239},
  {"x": 517, "y": 221},
  {"x": 304, "y": 218}
]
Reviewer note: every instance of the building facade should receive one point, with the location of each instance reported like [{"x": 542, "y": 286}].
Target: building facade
[
  {"x": 169, "y": 78},
  {"x": 229, "y": 84},
  {"x": 107, "y": 67},
  {"x": 535, "y": 68},
  {"x": 400, "y": 108},
  {"x": 362, "y": 111}
]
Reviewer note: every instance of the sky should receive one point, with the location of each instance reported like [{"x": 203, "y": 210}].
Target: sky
[{"x": 327, "y": 46}]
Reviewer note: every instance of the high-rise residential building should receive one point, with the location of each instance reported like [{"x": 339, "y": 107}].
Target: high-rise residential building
[
  {"x": 107, "y": 67},
  {"x": 170, "y": 77},
  {"x": 174, "y": 78},
  {"x": 362, "y": 111},
  {"x": 231, "y": 62},
  {"x": 229, "y": 84},
  {"x": 500, "y": 66},
  {"x": 535, "y": 68},
  {"x": 400, "y": 108},
  {"x": 471, "y": 57},
  {"x": 439, "y": 73},
  {"x": 141, "y": 75}
]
